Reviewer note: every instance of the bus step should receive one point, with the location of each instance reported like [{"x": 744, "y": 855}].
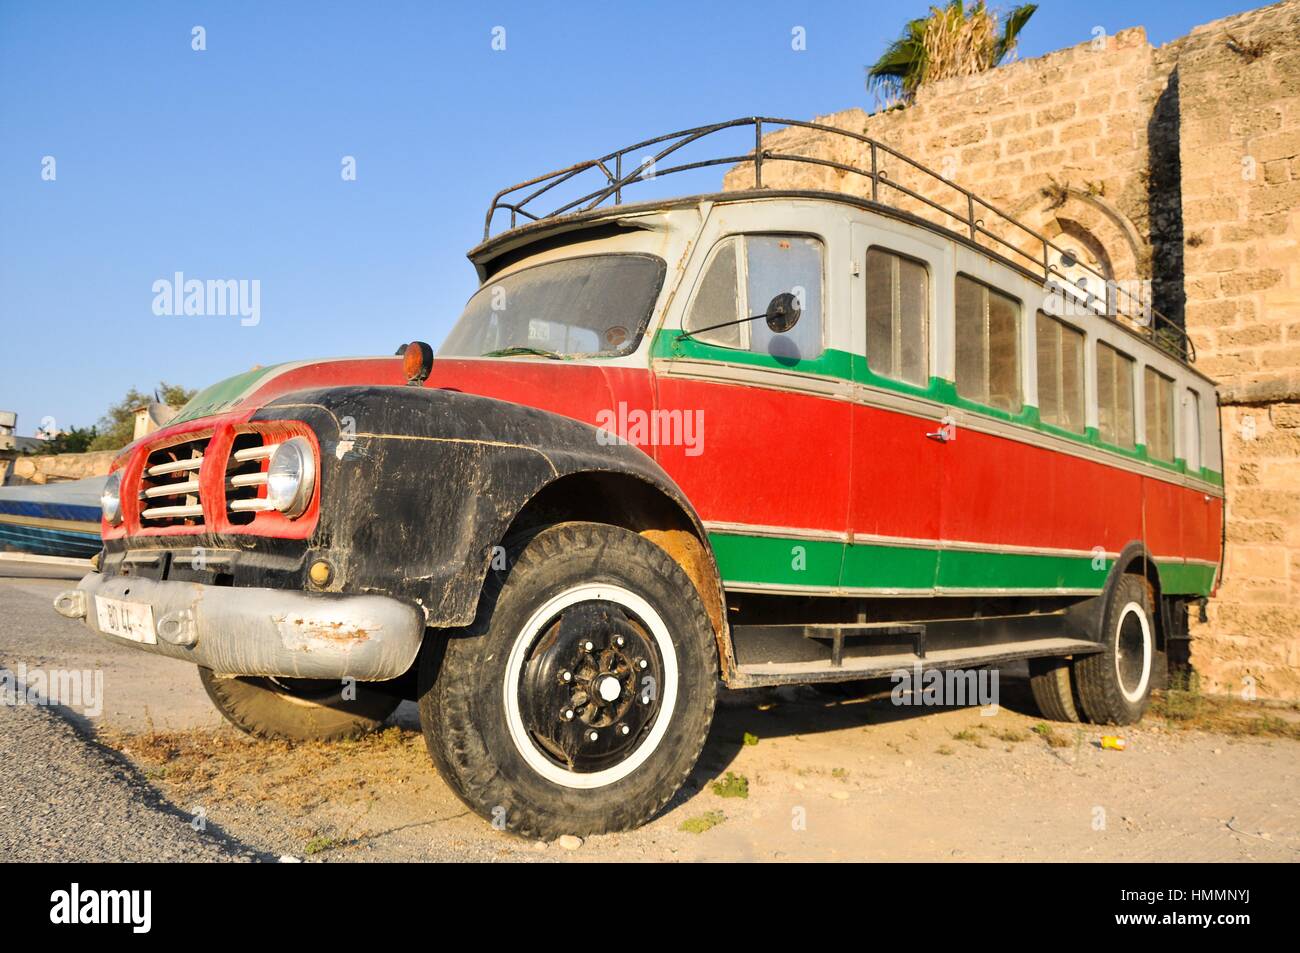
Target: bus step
[{"x": 755, "y": 675}]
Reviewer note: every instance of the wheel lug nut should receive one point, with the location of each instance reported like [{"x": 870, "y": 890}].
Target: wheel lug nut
[
  {"x": 618, "y": 640},
  {"x": 566, "y": 676},
  {"x": 643, "y": 664},
  {"x": 588, "y": 646},
  {"x": 568, "y": 714},
  {"x": 593, "y": 736},
  {"x": 623, "y": 729}
]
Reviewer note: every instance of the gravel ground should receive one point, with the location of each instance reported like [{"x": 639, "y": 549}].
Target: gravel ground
[{"x": 67, "y": 798}]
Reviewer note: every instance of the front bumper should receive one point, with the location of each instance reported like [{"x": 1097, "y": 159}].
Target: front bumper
[{"x": 242, "y": 631}]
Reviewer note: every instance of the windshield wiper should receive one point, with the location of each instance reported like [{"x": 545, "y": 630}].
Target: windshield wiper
[{"x": 520, "y": 349}]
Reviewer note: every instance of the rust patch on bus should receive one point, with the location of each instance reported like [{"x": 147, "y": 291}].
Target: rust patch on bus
[{"x": 685, "y": 549}]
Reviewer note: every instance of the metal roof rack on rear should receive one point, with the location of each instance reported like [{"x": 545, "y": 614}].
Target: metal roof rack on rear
[{"x": 919, "y": 191}]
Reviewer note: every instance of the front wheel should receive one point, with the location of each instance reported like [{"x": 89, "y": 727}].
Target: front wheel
[
  {"x": 299, "y": 709},
  {"x": 1050, "y": 681},
  {"x": 579, "y": 700}
]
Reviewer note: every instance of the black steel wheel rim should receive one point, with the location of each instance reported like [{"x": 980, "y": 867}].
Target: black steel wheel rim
[{"x": 589, "y": 689}]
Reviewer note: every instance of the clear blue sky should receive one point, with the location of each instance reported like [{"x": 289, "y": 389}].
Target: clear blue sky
[{"x": 226, "y": 163}]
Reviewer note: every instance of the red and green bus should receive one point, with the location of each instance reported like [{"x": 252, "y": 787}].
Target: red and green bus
[{"x": 748, "y": 438}]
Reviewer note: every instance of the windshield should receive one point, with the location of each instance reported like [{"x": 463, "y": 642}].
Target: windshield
[{"x": 595, "y": 306}]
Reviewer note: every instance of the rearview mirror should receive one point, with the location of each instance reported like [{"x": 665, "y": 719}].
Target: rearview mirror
[{"x": 783, "y": 313}]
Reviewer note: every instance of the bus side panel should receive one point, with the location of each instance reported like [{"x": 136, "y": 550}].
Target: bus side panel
[
  {"x": 1184, "y": 527},
  {"x": 896, "y": 474},
  {"x": 1211, "y": 546},
  {"x": 1162, "y": 519},
  {"x": 1203, "y": 537},
  {"x": 897, "y": 494},
  {"x": 771, "y": 459},
  {"x": 1004, "y": 492}
]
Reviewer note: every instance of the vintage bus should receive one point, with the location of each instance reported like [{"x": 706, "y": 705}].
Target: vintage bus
[{"x": 756, "y": 437}]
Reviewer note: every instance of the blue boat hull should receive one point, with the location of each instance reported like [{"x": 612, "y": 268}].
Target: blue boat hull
[{"x": 58, "y": 519}]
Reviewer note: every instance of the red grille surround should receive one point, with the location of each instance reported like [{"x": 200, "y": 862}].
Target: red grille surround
[{"x": 217, "y": 485}]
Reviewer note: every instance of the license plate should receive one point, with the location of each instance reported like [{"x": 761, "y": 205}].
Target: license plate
[{"x": 130, "y": 620}]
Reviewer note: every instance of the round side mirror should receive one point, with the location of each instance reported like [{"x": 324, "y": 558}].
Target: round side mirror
[{"x": 783, "y": 313}]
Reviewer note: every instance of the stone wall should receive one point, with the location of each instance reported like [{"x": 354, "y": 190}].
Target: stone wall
[
  {"x": 1176, "y": 165},
  {"x": 59, "y": 467},
  {"x": 1239, "y": 90}
]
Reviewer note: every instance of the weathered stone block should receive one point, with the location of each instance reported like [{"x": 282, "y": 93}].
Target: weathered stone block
[{"x": 1055, "y": 114}]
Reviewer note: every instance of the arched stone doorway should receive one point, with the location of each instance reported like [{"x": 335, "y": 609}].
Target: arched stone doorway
[{"x": 1090, "y": 230}]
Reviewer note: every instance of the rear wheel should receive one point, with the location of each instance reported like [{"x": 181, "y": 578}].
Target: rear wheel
[
  {"x": 580, "y": 699},
  {"x": 298, "y": 709},
  {"x": 1114, "y": 684}
]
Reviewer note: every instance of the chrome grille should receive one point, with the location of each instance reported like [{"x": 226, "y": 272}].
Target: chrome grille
[
  {"x": 171, "y": 494},
  {"x": 246, "y": 478},
  {"x": 169, "y": 488}
]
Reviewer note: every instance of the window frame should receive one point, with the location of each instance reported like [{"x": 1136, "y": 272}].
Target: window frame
[
  {"x": 1171, "y": 417},
  {"x": 1191, "y": 432},
  {"x": 737, "y": 240},
  {"x": 1018, "y": 337},
  {"x": 734, "y": 242},
  {"x": 1083, "y": 372},
  {"x": 927, "y": 319},
  {"x": 1133, "y": 385}
]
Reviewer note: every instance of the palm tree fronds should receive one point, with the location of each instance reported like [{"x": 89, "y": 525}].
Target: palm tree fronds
[
  {"x": 1011, "y": 26},
  {"x": 952, "y": 40}
]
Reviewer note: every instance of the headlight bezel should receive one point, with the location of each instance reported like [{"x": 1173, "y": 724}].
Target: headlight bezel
[
  {"x": 110, "y": 499},
  {"x": 291, "y": 477}
]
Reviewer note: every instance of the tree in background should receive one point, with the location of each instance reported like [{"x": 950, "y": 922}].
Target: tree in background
[
  {"x": 76, "y": 440},
  {"x": 950, "y": 41},
  {"x": 117, "y": 427}
]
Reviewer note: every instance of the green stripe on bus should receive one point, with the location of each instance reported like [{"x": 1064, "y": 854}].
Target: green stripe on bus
[
  {"x": 1186, "y": 578},
  {"x": 816, "y": 564},
  {"x": 831, "y": 363},
  {"x": 889, "y": 567},
  {"x": 966, "y": 569},
  {"x": 768, "y": 559}
]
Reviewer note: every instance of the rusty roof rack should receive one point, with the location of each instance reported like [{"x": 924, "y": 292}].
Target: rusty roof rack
[{"x": 1119, "y": 301}]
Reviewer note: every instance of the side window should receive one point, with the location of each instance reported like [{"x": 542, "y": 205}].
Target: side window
[
  {"x": 898, "y": 315},
  {"x": 988, "y": 346},
  {"x": 779, "y": 263},
  {"x": 1159, "y": 393},
  {"x": 717, "y": 300},
  {"x": 1192, "y": 429},
  {"x": 743, "y": 275},
  {"x": 1060, "y": 374},
  {"x": 1114, "y": 397}
]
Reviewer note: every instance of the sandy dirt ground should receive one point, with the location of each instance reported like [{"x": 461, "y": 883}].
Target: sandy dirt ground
[{"x": 823, "y": 778}]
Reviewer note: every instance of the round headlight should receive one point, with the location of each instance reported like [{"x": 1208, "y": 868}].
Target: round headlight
[
  {"x": 110, "y": 498},
  {"x": 291, "y": 477}
]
